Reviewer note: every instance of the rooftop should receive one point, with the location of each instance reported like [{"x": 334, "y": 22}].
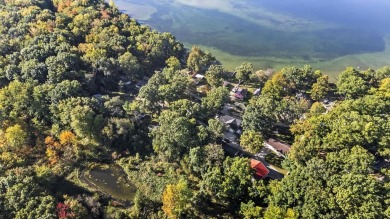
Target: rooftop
[
  {"x": 260, "y": 170},
  {"x": 278, "y": 145}
]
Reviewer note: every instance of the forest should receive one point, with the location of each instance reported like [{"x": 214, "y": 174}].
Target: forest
[{"x": 89, "y": 96}]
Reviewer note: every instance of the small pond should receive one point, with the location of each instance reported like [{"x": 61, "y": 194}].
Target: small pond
[{"x": 111, "y": 180}]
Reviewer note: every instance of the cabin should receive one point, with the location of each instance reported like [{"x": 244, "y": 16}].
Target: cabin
[{"x": 261, "y": 171}]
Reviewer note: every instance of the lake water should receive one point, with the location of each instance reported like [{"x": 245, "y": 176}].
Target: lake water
[{"x": 329, "y": 35}]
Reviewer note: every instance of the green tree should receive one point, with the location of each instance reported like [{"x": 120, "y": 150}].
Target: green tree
[
  {"x": 229, "y": 183},
  {"x": 244, "y": 71},
  {"x": 185, "y": 108},
  {"x": 198, "y": 60},
  {"x": 214, "y": 75},
  {"x": 251, "y": 141},
  {"x": 129, "y": 65},
  {"x": 173, "y": 63},
  {"x": 259, "y": 114},
  {"x": 317, "y": 108},
  {"x": 16, "y": 136},
  {"x": 250, "y": 211},
  {"x": 321, "y": 88},
  {"x": 216, "y": 128},
  {"x": 277, "y": 87},
  {"x": 352, "y": 83},
  {"x": 301, "y": 79},
  {"x": 214, "y": 100},
  {"x": 174, "y": 135}
]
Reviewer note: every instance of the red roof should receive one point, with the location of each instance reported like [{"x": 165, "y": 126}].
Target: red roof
[{"x": 260, "y": 170}]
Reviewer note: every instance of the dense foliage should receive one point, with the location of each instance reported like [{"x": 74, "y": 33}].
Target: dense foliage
[{"x": 83, "y": 85}]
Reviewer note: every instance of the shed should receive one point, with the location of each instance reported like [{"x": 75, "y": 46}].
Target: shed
[{"x": 260, "y": 170}]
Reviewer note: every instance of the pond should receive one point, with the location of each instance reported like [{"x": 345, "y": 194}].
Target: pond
[
  {"x": 111, "y": 180},
  {"x": 271, "y": 34}
]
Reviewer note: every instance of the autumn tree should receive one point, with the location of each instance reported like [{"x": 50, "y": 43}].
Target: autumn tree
[{"x": 177, "y": 199}]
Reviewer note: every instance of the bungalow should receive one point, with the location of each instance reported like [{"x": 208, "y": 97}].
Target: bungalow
[
  {"x": 238, "y": 93},
  {"x": 277, "y": 146},
  {"x": 260, "y": 170}
]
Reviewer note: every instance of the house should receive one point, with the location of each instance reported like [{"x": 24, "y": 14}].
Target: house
[
  {"x": 231, "y": 122},
  {"x": 277, "y": 146},
  {"x": 260, "y": 170},
  {"x": 239, "y": 93},
  {"x": 231, "y": 137}
]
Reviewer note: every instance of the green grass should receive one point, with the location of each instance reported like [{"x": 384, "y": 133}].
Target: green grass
[{"x": 274, "y": 159}]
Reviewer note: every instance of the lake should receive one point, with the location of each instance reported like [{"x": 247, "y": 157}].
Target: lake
[{"x": 329, "y": 35}]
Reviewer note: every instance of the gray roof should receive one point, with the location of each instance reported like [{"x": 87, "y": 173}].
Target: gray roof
[{"x": 230, "y": 120}]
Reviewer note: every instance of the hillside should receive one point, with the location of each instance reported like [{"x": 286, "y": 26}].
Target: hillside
[{"x": 101, "y": 117}]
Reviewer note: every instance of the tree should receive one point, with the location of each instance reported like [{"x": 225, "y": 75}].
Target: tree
[
  {"x": 274, "y": 212},
  {"x": 16, "y": 137},
  {"x": 173, "y": 63},
  {"x": 177, "y": 199},
  {"x": 301, "y": 79},
  {"x": 352, "y": 83},
  {"x": 251, "y": 141},
  {"x": 229, "y": 183},
  {"x": 23, "y": 197},
  {"x": 86, "y": 123},
  {"x": 185, "y": 108},
  {"x": 173, "y": 136},
  {"x": 16, "y": 102},
  {"x": 250, "y": 211},
  {"x": 320, "y": 89},
  {"x": 198, "y": 60},
  {"x": 278, "y": 87},
  {"x": 214, "y": 75},
  {"x": 290, "y": 109},
  {"x": 259, "y": 115},
  {"x": 214, "y": 100},
  {"x": 317, "y": 108},
  {"x": 216, "y": 128},
  {"x": 244, "y": 71},
  {"x": 129, "y": 65}
]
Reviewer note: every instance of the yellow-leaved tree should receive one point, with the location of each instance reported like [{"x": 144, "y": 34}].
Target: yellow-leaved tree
[{"x": 176, "y": 199}]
